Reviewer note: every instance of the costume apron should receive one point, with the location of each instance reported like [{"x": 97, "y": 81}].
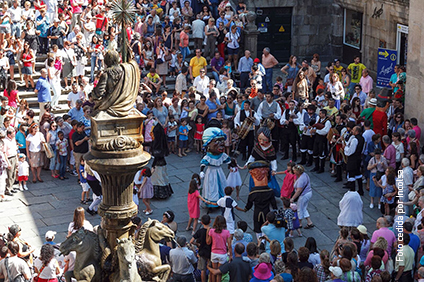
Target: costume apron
[{"x": 215, "y": 181}]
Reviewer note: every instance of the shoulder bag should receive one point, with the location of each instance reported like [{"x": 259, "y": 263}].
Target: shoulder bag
[
  {"x": 35, "y": 279},
  {"x": 19, "y": 278}
]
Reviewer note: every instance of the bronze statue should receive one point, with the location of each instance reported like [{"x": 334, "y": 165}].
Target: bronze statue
[{"x": 117, "y": 88}]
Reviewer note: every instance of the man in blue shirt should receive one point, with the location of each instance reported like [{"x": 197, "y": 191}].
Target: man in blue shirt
[
  {"x": 76, "y": 113},
  {"x": 223, "y": 19},
  {"x": 42, "y": 89},
  {"x": 272, "y": 232},
  {"x": 414, "y": 242},
  {"x": 214, "y": 106}
]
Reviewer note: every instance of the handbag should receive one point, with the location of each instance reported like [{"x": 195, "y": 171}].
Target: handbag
[
  {"x": 159, "y": 61},
  {"x": 48, "y": 150},
  {"x": 168, "y": 57}
]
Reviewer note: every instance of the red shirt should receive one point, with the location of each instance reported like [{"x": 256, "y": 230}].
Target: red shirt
[
  {"x": 101, "y": 22},
  {"x": 379, "y": 119},
  {"x": 70, "y": 135}
]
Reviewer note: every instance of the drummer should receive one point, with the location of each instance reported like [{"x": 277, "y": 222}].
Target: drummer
[{"x": 243, "y": 119}]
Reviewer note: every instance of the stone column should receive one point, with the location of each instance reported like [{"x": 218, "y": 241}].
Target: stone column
[{"x": 251, "y": 35}]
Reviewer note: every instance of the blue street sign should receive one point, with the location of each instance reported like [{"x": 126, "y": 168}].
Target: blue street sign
[{"x": 386, "y": 66}]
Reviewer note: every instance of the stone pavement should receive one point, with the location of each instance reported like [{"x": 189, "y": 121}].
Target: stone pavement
[{"x": 50, "y": 205}]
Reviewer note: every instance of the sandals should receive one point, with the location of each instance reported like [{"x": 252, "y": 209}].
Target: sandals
[{"x": 309, "y": 226}]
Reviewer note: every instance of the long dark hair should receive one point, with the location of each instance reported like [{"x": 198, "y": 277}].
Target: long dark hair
[
  {"x": 311, "y": 245},
  {"x": 11, "y": 85},
  {"x": 196, "y": 177},
  {"x": 219, "y": 224},
  {"x": 46, "y": 254},
  {"x": 193, "y": 186},
  {"x": 146, "y": 172}
]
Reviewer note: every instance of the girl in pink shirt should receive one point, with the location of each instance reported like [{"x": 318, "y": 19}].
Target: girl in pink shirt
[
  {"x": 287, "y": 188},
  {"x": 220, "y": 239}
]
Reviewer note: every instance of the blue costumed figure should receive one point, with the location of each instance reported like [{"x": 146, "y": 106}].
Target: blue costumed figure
[
  {"x": 264, "y": 151},
  {"x": 210, "y": 166}
]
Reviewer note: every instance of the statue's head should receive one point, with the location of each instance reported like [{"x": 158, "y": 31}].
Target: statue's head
[
  {"x": 259, "y": 170},
  {"x": 112, "y": 58},
  {"x": 264, "y": 136},
  {"x": 214, "y": 139}
]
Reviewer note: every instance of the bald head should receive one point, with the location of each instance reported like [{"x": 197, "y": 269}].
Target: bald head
[{"x": 381, "y": 222}]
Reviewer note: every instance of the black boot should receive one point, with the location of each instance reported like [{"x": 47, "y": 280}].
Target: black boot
[
  {"x": 321, "y": 169},
  {"x": 360, "y": 188},
  {"x": 316, "y": 168},
  {"x": 303, "y": 161},
  {"x": 338, "y": 173},
  {"x": 310, "y": 160},
  {"x": 244, "y": 157},
  {"x": 285, "y": 156},
  {"x": 294, "y": 156}
]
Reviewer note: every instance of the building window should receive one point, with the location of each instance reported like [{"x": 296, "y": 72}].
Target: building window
[{"x": 352, "y": 32}]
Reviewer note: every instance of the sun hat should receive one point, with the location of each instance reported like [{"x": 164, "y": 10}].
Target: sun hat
[
  {"x": 373, "y": 101},
  {"x": 263, "y": 271},
  {"x": 362, "y": 229}
]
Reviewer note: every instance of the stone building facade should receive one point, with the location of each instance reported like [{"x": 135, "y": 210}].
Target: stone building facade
[
  {"x": 370, "y": 24},
  {"x": 299, "y": 27},
  {"x": 414, "y": 100}
]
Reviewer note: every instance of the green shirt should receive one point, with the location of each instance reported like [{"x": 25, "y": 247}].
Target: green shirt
[
  {"x": 367, "y": 114},
  {"x": 405, "y": 257}
]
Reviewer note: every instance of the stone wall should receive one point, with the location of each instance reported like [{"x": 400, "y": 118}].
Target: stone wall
[
  {"x": 374, "y": 30},
  {"x": 415, "y": 72},
  {"x": 312, "y": 26}
]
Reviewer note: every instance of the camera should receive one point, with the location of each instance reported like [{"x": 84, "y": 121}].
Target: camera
[{"x": 279, "y": 219}]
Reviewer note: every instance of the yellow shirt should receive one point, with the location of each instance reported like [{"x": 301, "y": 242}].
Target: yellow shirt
[
  {"x": 338, "y": 70},
  {"x": 153, "y": 78},
  {"x": 356, "y": 71},
  {"x": 332, "y": 111},
  {"x": 196, "y": 64}
]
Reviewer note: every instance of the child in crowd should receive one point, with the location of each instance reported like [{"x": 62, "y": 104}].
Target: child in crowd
[
  {"x": 200, "y": 127},
  {"x": 97, "y": 78},
  {"x": 23, "y": 172},
  {"x": 234, "y": 179},
  {"x": 279, "y": 83},
  {"x": 227, "y": 131},
  {"x": 290, "y": 216},
  {"x": 62, "y": 149},
  {"x": 220, "y": 239},
  {"x": 199, "y": 239},
  {"x": 145, "y": 189},
  {"x": 196, "y": 177},
  {"x": 388, "y": 184},
  {"x": 173, "y": 63},
  {"x": 228, "y": 204},
  {"x": 288, "y": 183},
  {"x": 85, "y": 195},
  {"x": 148, "y": 128},
  {"x": 320, "y": 97},
  {"x": 172, "y": 133},
  {"x": 193, "y": 205},
  {"x": 320, "y": 85},
  {"x": 21, "y": 139},
  {"x": 100, "y": 48},
  {"x": 183, "y": 130},
  {"x": 227, "y": 66}
]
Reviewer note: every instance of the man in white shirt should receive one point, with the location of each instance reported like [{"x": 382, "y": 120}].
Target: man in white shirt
[
  {"x": 73, "y": 96},
  {"x": 15, "y": 13},
  {"x": 198, "y": 29},
  {"x": 156, "y": 19},
  {"x": 320, "y": 143},
  {"x": 10, "y": 149},
  {"x": 290, "y": 120},
  {"x": 181, "y": 260},
  {"x": 201, "y": 82},
  {"x": 350, "y": 210},
  {"x": 269, "y": 109}
]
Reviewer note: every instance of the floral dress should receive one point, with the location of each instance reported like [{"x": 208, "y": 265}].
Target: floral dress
[{"x": 389, "y": 189}]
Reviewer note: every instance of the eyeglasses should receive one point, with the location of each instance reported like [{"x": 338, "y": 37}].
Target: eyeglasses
[
  {"x": 202, "y": 71},
  {"x": 331, "y": 69}
]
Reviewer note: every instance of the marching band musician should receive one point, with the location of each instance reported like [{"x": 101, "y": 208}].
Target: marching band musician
[
  {"x": 249, "y": 141},
  {"x": 321, "y": 130},
  {"x": 307, "y": 142},
  {"x": 271, "y": 110},
  {"x": 290, "y": 120},
  {"x": 336, "y": 145},
  {"x": 353, "y": 150}
]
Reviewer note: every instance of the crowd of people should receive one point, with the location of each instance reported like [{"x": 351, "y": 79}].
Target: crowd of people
[{"x": 330, "y": 116}]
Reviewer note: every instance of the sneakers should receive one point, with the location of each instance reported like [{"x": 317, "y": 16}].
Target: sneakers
[
  {"x": 25, "y": 188},
  {"x": 148, "y": 212},
  {"x": 379, "y": 206},
  {"x": 21, "y": 188},
  {"x": 371, "y": 206},
  {"x": 74, "y": 173}
]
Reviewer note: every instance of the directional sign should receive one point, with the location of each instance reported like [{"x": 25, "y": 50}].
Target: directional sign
[
  {"x": 386, "y": 66},
  {"x": 263, "y": 27}
]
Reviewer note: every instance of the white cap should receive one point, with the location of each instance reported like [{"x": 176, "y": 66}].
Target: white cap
[
  {"x": 50, "y": 234},
  {"x": 337, "y": 271}
]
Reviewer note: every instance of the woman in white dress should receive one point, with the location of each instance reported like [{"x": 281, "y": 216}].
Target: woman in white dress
[
  {"x": 336, "y": 88},
  {"x": 53, "y": 76}
]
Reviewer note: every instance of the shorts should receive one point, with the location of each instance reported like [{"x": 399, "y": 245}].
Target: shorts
[
  {"x": 23, "y": 178},
  {"x": 219, "y": 258},
  {"x": 27, "y": 70},
  {"x": 232, "y": 51},
  {"x": 5, "y": 29},
  {"x": 202, "y": 263},
  {"x": 171, "y": 139},
  {"x": 182, "y": 144},
  {"x": 85, "y": 186},
  {"x": 72, "y": 158},
  {"x": 77, "y": 157},
  {"x": 172, "y": 69}
]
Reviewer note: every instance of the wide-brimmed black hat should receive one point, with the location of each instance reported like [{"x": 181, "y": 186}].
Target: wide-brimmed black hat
[{"x": 258, "y": 164}]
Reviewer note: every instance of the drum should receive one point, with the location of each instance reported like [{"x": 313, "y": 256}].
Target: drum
[{"x": 245, "y": 128}]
